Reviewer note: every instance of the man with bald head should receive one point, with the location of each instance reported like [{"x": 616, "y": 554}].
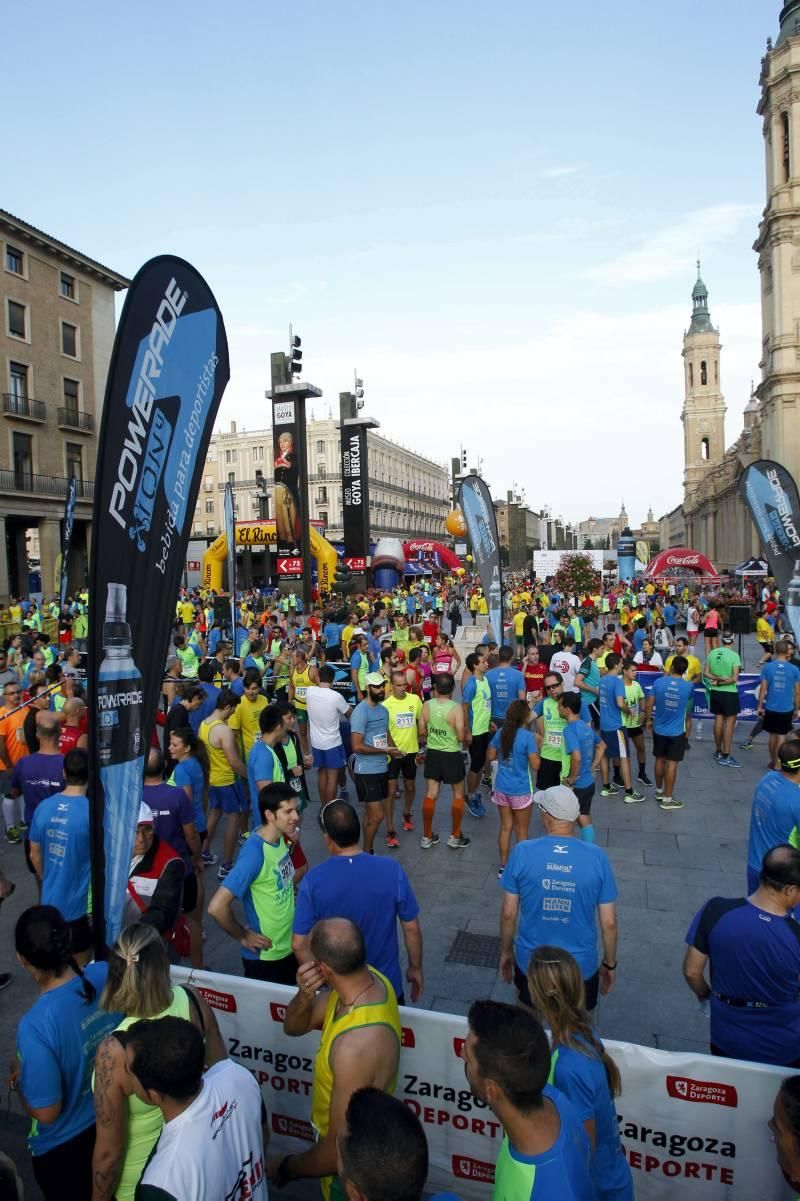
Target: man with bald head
[
  {"x": 73, "y": 736},
  {"x": 359, "y": 1045}
]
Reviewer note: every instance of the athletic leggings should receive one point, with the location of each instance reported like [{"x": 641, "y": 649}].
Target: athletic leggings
[{"x": 67, "y": 1169}]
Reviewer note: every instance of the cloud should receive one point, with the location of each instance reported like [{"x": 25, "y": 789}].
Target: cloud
[
  {"x": 672, "y": 251},
  {"x": 559, "y": 172}
]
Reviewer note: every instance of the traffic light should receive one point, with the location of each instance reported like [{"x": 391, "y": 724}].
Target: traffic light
[
  {"x": 295, "y": 355},
  {"x": 343, "y": 578},
  {"x": 463, "y": 460}
]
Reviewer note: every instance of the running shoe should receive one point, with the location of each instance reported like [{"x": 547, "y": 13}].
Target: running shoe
[
  {"x": 619, "y": 782},
  {"x": 645, "y": 779},
  {"x": 500, "y": 871},
  {"x": 13, "y": 835},
  {"x": 224, "y": 870},
  {"x": 459, "y": 843},
  {"x": 208, "y": 858},
  {"x": 670, "y": 802},
  {"x": 343, "y": 795},
  {"x": 392, "y": 840},
  {"x": 747, "y": 746},
  {"x": 426, "y": 843},
  {"x": 633, "y": 797},
  {"x": 608, "y": 790},
  {"x": 659, "y": 794},
  {"x": 243, "y": 838},
  {"x": 475, "y": 806},
  {"x": 23, "y": 827},
  {"x": 717, "y": 756},
  {"x": 408, "y": 821},
  {"x": 729, "y": 761}
]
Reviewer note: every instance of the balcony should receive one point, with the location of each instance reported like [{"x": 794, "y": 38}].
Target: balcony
[
  {"x": 23, "y": 407},
  {"x": 18, "y": 480},
  {"x": 71, "y": 419}
]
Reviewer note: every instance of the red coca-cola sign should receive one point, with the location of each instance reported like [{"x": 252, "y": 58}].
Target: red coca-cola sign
[{"x": 683, "y": 560}]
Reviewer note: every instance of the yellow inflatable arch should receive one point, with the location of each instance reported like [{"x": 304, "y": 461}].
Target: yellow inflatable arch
[{"x": 262, "y": 533}]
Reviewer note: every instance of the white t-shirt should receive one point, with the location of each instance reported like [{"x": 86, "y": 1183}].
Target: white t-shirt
[
  {"x": 215, "y": 1148},
  {"x": 324, "y": 709},
  {"x": 655, "y": 659},
  {"x": 568, "y": 665}
]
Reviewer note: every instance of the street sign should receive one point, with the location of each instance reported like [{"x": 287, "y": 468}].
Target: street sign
[
  {"x": 356, "y": 562},
  {"x": 290, "y": 567}
]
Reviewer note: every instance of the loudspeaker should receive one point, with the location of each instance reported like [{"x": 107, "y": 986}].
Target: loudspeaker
[
  {"x": 222, "y": 611},
  {"x": 740, "y": 619}
]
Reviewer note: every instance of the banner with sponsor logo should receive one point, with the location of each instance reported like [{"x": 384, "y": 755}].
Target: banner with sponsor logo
[
  {"x": 230, "y": 537},
  {"x": 771, "y": 496},
  {"x": 746, "y": 686},
  {"x": 290, "y": 488},
  {"x": 475, "y": 502},
  {"x": 548, "y": 562},
  {"x": 66, "y": 542},
  {"x": 168, "y": 371},
  {"x": 355, "y": 493},
  {"x": 692, "y": 1126}
]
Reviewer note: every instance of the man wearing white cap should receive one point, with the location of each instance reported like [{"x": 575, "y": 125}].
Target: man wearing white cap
[
  {"x": 556, "y": 888},
  {"x": 373, "y": 746},
  {"x": 155, "y": 881}
]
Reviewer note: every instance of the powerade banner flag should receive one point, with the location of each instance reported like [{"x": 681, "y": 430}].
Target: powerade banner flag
[
  {"x": 66, "y": 539},
  {"x": 168, "y": 371},
  {"x": 475, "y": 502},
  {"x": 230, "y": 538},
  {"x": 771, "y": 496}
]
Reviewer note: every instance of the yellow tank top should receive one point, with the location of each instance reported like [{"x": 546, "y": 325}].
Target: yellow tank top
[
  {"x": 220, "y": 774},
  {"x": 301, "y": 681},
  {"x": 144, "y": 1121},
  {"x": 382, "y": 1013}
]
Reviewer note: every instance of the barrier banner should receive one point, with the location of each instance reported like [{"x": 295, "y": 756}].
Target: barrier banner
[
  {"x": 692, "y": 1126},
  {"x": 230, "y": 535},
  {"x": 771, "y": 496},
  {"x": 168, "y": 370},
  {"x": 747, "y": 688},
  {"x": 66, "y": 541},
  {"x": 475, "y": 502}
]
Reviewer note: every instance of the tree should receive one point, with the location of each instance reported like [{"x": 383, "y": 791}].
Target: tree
[
  {"x": 577, "y": 575},
  {"x": 588, "y": 545}
]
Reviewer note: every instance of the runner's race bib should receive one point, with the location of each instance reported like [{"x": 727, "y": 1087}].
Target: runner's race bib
[
  {"x": 380, "y": 741},
  {"x": 300, "y": 692},
  {"x": 403, "y": 721},
  {"x": 552, "y": 738}
]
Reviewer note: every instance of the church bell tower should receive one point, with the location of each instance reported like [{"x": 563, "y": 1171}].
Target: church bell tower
[{"x": 703, "y": 413}]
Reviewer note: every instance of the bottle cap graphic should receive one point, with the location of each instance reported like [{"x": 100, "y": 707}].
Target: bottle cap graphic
[{"x": 116, "y": 631}]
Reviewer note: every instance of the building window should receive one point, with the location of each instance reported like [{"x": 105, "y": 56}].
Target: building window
[
  {"x": 230, "y": 456},
  {"x": 705, "y": 449},
  {"x": 74, "y": 457},
  {"x": 71, "y": 395},
  {"x": 322, "y": 471},
  {"x": 18, "y": 380},
  {"x": 258, "y": 453},
  {"x": 209, "y": 506},
  {"x": 691, "y": 375},
  {"x": 197, "y": 530},
  {"x": 787, "y": 152},
  {"x": 323, "y": 517},
  {"x": 69, "y": 339},
  {"x": 66, "y": 286},
  {"x": 15, "y": 260},
  {"x": 323, "y": 496},
  {"x": 16, "y": 320},
  {"x": 22, "y": 454},
  {"x": 231, "y": 477},
  {"x": 320, "y": 447},
  {"x": 716, "y": 371},
  {"x": 703, "y": 373},
  {"x": 209, "y": 484},
  {"x": 209, "y": 527}
]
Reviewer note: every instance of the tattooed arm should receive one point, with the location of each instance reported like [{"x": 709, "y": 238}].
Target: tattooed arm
[{"x": 111, "y": 1113}]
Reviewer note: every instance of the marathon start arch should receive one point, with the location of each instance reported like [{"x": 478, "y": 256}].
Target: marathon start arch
[
  {"x": 259, "y": 534},
  {"x": 681, "y": 560}
]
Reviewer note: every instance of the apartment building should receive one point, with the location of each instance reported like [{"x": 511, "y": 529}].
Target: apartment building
[{"x": 57, "y": 327}]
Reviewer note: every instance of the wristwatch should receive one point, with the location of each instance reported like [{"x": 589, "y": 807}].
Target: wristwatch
[{"x": 610, "y": 967}]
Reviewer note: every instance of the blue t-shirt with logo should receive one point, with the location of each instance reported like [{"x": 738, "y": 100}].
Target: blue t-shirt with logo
[
  {"x": 262, "y": 764},
  {"x": 561, "y": 1173},
  {"x": 560, "y": 881},
  {"x": 37, "y": 776},
  {"x": 611, "y": 687},
  {"x": 638, "y": 640},
  {"x": 332, "y": 633},
  {"x": 513, "y": 773},
  {"x": 670, "y": 614},
  {"x": 781, "y": 677},
  {"x": 372, "y": 723},
  {"x": 370, "y": 890},
  {"x": 505, "y": 684},
  {"x": 673, "y": 695},
  {"x": 591, "y": 675},
  {"x": 774, "y": 818},
  {"x": 56, "y": 1044},
  {"x": 753, "y": 956},
  {"x": 582, "y": 1078},
  {"x": 60, "y": 827},
  {"x": 579, "y": 736},
  {"x": 190, "y": 772}
]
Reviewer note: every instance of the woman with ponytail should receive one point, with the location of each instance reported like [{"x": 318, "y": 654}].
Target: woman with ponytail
[
  {"x": 580, "y": 1066},
  {"x": 138, "y": 986},
  {"x": 56, "y": 1043}
]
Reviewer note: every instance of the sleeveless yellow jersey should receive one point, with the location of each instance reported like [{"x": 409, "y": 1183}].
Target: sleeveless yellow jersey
[
  {"x": 301, "y": 681},
  {"x": 220, "y": 773}
]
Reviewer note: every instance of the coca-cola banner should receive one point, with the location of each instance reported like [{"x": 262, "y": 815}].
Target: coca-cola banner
[
  {"x": 682, "y": 560},
  {"x": 475, "y": 501},
  {"x": 691, "y": 1126},
  {"x": 169, "y": 368},
  {"x": 771, "y": 496}
]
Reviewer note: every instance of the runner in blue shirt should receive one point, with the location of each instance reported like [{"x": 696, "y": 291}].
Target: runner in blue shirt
[
  {"x": 59, "y": 850},
  {"x": 507, "y": 1046},
  {"x": 580, "y": 1067},
  {"x": 668, "y": 705},
  {"x": 517, "y": 754},
  {"x": 613, "y": 703},
  {"x": 586, "y": 752},
  {"x": 775, "y": 816},
  {"x": 778, "y": 698},
  {"x": 506, "y": 685}
]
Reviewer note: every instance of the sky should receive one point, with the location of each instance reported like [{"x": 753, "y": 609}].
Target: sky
[{"x": 492, "y": 212}]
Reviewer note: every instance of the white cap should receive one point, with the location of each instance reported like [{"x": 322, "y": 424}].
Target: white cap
[
  {"x": 145, "y": 816},
  {"x": 560, "y": 802}
]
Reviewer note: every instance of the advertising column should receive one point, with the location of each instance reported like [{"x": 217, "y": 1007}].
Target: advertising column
[
  {"x": 355, "y": 485},
  {"x": 66, "y": 541},
  {"x": 230, "y": 538},
  {"x": 168, "y": 371},
  {"x": 291, "y": 486}
]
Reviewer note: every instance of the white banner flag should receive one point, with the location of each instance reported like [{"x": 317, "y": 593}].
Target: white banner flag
[{"x": 692, "y": 1126}]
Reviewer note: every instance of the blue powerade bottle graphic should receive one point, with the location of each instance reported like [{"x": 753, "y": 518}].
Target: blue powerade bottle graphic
[{"x": 120, "y": 750}]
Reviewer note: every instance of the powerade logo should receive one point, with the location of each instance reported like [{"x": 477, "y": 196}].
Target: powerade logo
[
  {"x": 479, "y": 521},
  {"x": 772, "y": 510},
  {"x": 145, "y": 449}
]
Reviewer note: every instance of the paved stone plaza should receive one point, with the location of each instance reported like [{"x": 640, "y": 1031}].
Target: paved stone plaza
[{"x": 666, "y": 865}]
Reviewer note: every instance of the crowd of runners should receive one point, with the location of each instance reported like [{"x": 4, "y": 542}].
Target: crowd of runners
[{"x": 340, "y": 711}]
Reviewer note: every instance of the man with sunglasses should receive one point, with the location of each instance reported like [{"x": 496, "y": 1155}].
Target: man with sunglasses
[{"x": 550, "y": 725}]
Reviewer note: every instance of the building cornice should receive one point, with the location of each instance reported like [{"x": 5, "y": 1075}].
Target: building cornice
[{"x": 24, "y": 232}]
